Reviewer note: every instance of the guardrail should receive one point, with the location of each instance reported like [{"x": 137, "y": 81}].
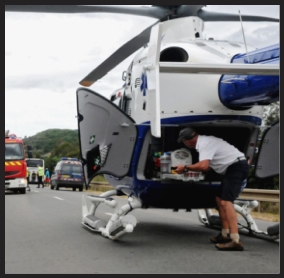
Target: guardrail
[{"x": 261, "y": 195}]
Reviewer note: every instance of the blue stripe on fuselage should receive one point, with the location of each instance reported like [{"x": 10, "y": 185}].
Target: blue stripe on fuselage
[{"x": 243, "y": 91}]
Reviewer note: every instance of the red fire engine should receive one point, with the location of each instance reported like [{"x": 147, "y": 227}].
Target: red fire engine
[{"x": 15, "y": 164}]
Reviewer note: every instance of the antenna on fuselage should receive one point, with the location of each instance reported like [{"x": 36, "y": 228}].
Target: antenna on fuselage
[{"x": 244, "y": 35}]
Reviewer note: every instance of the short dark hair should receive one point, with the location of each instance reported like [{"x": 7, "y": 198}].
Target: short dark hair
[{"x": 186, "y": 134}]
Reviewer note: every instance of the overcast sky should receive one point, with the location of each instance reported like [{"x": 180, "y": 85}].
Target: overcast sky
[{"x": 47, "y": 55}]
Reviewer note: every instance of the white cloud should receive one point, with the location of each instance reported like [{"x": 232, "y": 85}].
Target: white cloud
[{"x": 46, "y": 55}]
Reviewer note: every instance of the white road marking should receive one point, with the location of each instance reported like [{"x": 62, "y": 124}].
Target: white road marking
[{"x": 57, "y": 198}]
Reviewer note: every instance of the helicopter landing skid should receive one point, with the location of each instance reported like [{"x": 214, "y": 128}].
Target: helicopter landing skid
[
  {"x": 246, "y": 222},
  {"x": 119, "y": 223}
]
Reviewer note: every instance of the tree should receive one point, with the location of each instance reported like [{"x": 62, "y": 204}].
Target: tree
[
  {"x": 271, "y": 113},
  {"x": 270, "y": 116}
]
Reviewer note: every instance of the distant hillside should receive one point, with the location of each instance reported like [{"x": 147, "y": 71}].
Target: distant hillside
[{"x": 46, "y": 141}]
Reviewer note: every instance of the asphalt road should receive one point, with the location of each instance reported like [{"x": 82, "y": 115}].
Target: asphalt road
[{"x": 44, "y": 235}]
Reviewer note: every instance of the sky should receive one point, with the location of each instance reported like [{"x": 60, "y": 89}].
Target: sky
[{"x": 47, "y": 55}]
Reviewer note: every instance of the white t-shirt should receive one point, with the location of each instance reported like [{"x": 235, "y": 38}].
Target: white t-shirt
[{"x": 220, "y": 153}]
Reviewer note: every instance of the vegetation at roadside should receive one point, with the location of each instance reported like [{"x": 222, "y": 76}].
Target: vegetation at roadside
[
  {"x": 99, "y": 178},
  {"x": 271, "y": 115},
  {"x": 266, "y": 216}
]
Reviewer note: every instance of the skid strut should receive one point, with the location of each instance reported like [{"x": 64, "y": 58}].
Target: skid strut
[
  {"x": 118, "y": 224},
  {"x": 249, "y": 226}
]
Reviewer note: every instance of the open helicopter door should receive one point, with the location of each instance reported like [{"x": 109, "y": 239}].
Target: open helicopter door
[
  {"x": 107, "y": 136},
  {"x": 152, "y": 68},
  {"x": 153, "y": 79},
  {"x": 153, "y": 75},
  {"x": 267, "y": 164}
]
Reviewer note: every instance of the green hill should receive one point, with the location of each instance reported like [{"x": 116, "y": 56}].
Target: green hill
[
  {"x": 52, "y": 144},
  {"x": 45, "y": 141}
]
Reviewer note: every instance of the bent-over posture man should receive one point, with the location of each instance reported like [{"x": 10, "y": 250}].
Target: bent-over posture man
[{"x": 225, "y": 159}]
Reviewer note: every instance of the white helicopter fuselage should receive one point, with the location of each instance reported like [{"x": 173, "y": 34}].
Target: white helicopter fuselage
[
  {"x": 181, "y": 94},
  {"x": 126, "y": 149}
]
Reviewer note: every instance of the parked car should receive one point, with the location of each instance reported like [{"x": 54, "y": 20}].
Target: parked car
[{"x": 68, "y": 173}]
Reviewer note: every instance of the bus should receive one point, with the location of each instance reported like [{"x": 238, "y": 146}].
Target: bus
[{"x": 32, "y": 168}]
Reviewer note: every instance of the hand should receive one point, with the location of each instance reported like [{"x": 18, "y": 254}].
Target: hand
[{"x": 179, "y": 169}]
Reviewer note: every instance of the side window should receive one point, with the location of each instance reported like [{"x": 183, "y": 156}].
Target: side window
[{"x": 125, "y": 103}]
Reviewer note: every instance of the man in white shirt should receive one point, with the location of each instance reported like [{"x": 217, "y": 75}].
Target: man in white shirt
[{"x": 225, "y": 159}]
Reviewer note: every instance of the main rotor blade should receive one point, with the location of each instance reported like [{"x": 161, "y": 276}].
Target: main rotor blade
[
  {"x": 156, "y": 12},
  {"x": 117, "y": 57},
  {"x": 160, "y": 12},
  {"x": 188, "y": 10},
  {"x": 215, "y": 16}
]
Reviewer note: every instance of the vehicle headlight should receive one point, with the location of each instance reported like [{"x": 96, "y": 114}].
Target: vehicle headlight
[{"x": 23, "y": 181}]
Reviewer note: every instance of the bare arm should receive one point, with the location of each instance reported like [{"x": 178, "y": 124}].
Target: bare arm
[{"x": 201, "y": 166}]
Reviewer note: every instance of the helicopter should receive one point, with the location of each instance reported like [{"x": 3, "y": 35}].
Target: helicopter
[{"x": 177, "y": 79}]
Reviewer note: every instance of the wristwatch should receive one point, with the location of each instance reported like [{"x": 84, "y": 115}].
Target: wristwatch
[{"x": 184, "y": 168}]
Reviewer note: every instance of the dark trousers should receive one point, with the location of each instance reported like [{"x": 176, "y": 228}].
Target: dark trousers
[{"x": 39, "y": 181}]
